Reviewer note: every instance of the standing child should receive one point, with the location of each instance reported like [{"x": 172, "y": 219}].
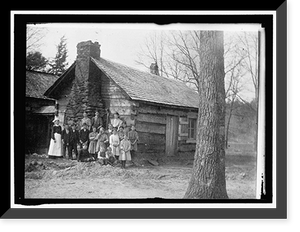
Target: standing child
[
  {"x": 125, "y": 147},
  {"x": 114, "y": 142},
  {"x": 102, "y": 142},
  {"x": 126, "y": 128},
  {"x": 109, "y": 131},
  {"x": 133, "y": 138},
  {"x": 121, "y": 133},
  {"x": 93, "y": 137}
]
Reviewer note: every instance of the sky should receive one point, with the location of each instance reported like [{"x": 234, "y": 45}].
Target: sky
[{"x": 120, "y": 43}]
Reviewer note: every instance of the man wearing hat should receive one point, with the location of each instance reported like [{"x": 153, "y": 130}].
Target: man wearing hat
[{"x": 55, "y": 149}]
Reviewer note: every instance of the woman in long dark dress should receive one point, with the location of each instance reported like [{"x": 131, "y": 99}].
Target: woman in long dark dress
[{"x": 55, "y": 149}]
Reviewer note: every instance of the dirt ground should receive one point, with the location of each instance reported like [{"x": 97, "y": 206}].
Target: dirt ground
[{"x": 62, "y": 178}]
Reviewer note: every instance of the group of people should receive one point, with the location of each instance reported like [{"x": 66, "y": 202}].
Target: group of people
[{"x": 90, "y": 141}]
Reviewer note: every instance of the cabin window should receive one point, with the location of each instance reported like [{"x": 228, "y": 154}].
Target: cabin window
[
  {"x": 183, "y": 126},
  {"x": 192, "y": 128}
]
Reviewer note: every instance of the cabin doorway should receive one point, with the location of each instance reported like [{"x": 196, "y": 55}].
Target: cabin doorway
[{"x": 171, "y": 135}]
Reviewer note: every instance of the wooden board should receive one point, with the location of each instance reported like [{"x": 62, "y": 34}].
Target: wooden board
[
  {"x": 184, "y": 147},
  {"x": 161, "y": 111},
  {"x": 150, "y": 128},
  {"x": 151, "y": 148},
  {"x": 120, "y": 102},
  {"x": 149, "y": 138},
  {"x": 159, "y": 119},
  {"x": 109, "y": 90},
  {"x": 121, "y": 110},
  {"x": 192, "y": 114},
  {"x": 171, "y": 135}
]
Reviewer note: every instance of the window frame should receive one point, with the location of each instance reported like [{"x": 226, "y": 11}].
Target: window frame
[{"x": 192, "y": 139}]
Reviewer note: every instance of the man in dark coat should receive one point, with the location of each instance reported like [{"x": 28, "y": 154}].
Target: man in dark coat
[
  {"x": 74, "y": 140},
  {"x": 97, "y": 121},
  {"x": 84, "y": 135}
]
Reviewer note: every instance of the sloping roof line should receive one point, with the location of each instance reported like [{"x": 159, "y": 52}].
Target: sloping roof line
[
  {"x": 59, "y": 80},
  {"x": 141, "y": 86},
  {"x": 38, "y": 82},
  {"x": 144, "y": 86},
  {"x": 46, "y": 110}
]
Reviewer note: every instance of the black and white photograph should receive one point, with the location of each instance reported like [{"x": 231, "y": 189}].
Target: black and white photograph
[
  {"x": 123, "y": 111},
  {"x": 127, "y": 112}
]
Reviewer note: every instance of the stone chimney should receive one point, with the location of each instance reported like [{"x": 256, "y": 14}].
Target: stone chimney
[
  {"x": 86, "y": 89},
  {"x": 154, "y": 69},
  {"x": 88, "y": 49}
]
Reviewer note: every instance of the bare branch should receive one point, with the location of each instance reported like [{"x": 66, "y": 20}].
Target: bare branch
[{"x": 34, "y": 36}]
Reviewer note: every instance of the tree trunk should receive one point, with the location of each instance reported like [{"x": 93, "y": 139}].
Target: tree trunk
[{"x": 208, "y": 178}]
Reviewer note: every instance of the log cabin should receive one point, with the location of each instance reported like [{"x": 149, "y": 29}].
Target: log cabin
[{"x": 164, "y": 111}]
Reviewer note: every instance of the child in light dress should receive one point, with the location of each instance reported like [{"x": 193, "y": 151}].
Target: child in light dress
[
  {"x": 93, "y": 142},
  {"x": 114, "y": 142},
  {"x": 125, "y": 147}
]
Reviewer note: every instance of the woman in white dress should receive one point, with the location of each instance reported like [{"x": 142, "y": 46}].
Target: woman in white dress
[{"x": 55, "y": 149}]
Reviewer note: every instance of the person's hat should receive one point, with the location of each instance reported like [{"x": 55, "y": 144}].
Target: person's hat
[{"x": 55, "y": 119}]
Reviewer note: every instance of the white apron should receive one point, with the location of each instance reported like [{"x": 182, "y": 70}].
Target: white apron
[{"x": 55, "y": 147}]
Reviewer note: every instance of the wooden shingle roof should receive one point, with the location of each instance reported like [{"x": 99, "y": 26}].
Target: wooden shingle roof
[
  {"x": 144, "y": 86},
  {"x": 38, "y": 82}
]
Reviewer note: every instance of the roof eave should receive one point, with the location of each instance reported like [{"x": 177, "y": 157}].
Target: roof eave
[
  {"x": 41, "y": 98},
  {"x": 167, "y": 105},
  {"x": 50, "y": 90}
]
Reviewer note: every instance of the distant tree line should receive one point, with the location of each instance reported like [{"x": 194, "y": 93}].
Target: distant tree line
[{"x": 240, "y": 122}]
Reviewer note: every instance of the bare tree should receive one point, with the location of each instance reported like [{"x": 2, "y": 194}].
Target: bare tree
[
  {"x": 175, "y": 53},
  {"x": 178, "y": 53},
  {"x": 34, "y": 36},
  {"x": 153, "y": 52},
  {"x": 249, "y": 41},
  {"x": 185, "y": 47},
  {"x": 231, "y": 95},
  {"x": 249, "y": 50}
]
